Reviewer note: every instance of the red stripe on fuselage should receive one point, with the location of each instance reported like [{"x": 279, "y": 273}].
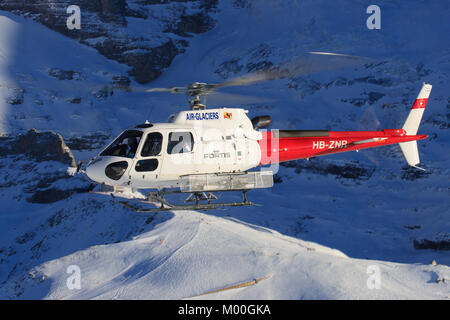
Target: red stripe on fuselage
[{"x": 292, "y": 148}]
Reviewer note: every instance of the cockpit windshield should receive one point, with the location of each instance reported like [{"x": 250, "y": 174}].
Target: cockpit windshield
[{"x": 125, "y": 145}]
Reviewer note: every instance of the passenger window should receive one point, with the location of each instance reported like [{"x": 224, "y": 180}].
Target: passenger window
[
  {"x": 180, "y": 142},
  {"x": 153, "y": 145},
  {"x": 146, "y": 165}
]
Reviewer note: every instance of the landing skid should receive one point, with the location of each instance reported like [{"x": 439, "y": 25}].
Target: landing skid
[{"x": 198, "y": 199}]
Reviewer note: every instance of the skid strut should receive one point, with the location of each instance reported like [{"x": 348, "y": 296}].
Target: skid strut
[{"x": 195, "y": 197}]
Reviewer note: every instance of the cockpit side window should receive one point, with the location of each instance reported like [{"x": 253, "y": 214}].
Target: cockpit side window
[
  {"x": 153, "y": 145},
  {"x": 180, "y": 142},
  {"x": 125, "y": 145}
]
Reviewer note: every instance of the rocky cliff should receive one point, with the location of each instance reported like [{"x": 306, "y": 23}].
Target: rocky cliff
[{"x": 146, "y": 35}]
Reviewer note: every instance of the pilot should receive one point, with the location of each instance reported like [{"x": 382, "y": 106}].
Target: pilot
[
  {"x": 119, "y": 150},
  {"x": 156, "y": 147},
  {"x": 133, "y": 144}
]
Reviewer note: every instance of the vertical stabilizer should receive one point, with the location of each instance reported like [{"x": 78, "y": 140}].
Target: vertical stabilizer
[
  {"x": 412, "y": 123},
  {"x": 415, "y": 115}
]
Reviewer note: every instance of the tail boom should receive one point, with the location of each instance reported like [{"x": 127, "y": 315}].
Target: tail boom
[
  {"x": 297, "y": 144},
  {"x": 281, "y": 148}
]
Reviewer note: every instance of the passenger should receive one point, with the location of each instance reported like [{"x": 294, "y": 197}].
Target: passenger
[{"x": 186, "y": 145}]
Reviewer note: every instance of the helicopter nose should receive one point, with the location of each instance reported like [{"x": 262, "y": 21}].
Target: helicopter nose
[
  {"x": 108, "y": 170},
  {"x": 94, "y": 170}
]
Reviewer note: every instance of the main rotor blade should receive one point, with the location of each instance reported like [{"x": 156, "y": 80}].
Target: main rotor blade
[
  {"x": 157, "y": 89},
  {"x": 302, "y": 65},
  {"x": 311, "y": 62},
  {"x": 171, "y": 90}
]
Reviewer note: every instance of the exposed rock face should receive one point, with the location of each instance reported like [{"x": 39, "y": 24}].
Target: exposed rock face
[
  {"x": 49, "y": 195},
  {"x": 16, "y": 96},
  {"x": 350, "y": 170},
  {"x": 432, "y": 244},
  {"x": 411, "y": 174},
  {"x": 64, "y": 74},
  {"x": 35, "y": 166},
  {"x": 256, "y": 59},
  {"x": 196, "y": 23},
  {"x": 40, "y": 146},
  {"x": 149, "y": 66},
  {"x": 106, "y": 26},
  {"x": 88, "y": 142}
]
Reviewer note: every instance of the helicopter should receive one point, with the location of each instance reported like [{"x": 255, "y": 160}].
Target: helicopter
[{"x": 203, "y": 151}]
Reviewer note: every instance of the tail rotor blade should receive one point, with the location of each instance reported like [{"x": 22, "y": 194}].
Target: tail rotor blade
[{"x": 369, "y": 120}]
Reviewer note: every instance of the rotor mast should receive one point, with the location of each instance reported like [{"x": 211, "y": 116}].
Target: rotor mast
[{"x": 196, "y": 90}]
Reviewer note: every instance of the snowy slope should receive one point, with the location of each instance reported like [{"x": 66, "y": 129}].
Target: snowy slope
[
  {"x": 319, "y": 228},
  {"x": 181, "y": 255},
  {"x": 64, "y": 86}
]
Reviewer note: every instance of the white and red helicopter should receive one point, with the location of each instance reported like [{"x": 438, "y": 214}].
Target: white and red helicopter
[{"x": 202, "y": 151}]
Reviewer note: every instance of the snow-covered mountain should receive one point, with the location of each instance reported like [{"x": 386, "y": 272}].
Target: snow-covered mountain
[
  {"x": 144, "y": 35},
  {"x": 320, "y": 230}
]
